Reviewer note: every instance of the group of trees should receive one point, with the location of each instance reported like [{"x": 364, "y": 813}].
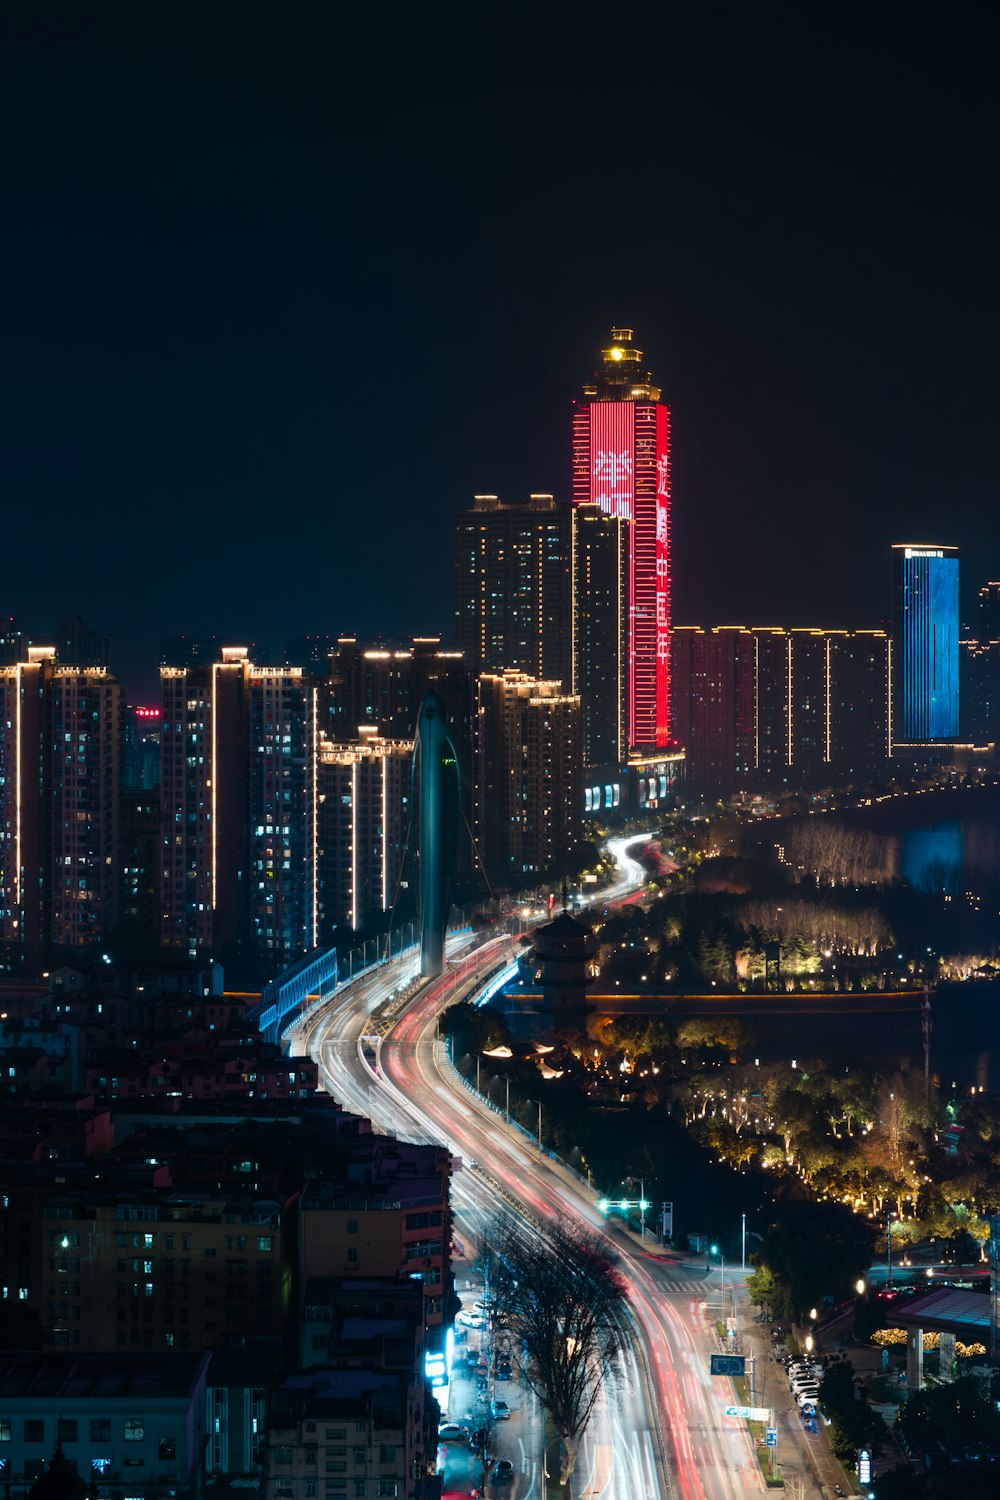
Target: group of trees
[
  {"x": 833, "y": 853},
  {"x": 693, "y": 939},
  {"x": 810, "y": 1251}
]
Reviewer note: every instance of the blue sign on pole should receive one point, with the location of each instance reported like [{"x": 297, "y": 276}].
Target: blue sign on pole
[
  {"x": 864, "y": 1467},
  {"x": 771, "y": 1437},
  {"x": 728, "y": 1364}
]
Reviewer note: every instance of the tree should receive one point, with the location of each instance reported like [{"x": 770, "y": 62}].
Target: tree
[
  {"x": 565, "y": 1312},
  {"x": 815, "y": 1249},
  {"x": 760, "y": 1286}
]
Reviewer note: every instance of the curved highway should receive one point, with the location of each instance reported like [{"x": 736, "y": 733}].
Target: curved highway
[{"x": 662, "y": 1432}]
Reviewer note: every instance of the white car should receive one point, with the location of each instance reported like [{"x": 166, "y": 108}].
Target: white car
[
  {"x": 807, "y": 1393},
  {"x": 451, "y": 1432},
  {"x": 469, "y": 1320}
]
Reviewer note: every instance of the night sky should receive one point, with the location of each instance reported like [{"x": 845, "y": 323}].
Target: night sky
[{"x": 283, "y": 286}]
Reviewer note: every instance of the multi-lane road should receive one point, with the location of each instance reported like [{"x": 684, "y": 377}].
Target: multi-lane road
[{"x": 662, "y": 1433}]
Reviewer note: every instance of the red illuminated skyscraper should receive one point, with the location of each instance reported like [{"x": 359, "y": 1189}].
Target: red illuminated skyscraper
[{"x": 621, "y": 463}]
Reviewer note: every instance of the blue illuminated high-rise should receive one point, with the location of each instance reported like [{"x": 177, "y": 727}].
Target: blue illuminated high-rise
[{"x": 925, "y": 643}]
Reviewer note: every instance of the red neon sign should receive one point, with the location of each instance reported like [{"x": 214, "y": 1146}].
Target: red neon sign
[{"x": 612, "y": 457}]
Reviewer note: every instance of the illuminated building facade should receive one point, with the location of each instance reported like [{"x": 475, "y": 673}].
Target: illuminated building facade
[
  {"x": 925, "y": 643},
  {"x": 239, "y": 746},
  {"x": 766, "y": 705},
  {"x": 364, "y": 812},
  {"x": 513, "y": 588},
  {"x": 528, "y": 783},
  {"x": 60, "y": 768},
  {"x": 621, "y": 464},
  {"x": 600, "y": 632}
]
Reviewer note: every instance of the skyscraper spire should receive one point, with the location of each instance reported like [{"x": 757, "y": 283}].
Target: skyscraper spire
[{"x": 621, "y": 376}]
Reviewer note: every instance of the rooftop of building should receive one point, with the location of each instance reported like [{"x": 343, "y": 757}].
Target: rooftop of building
[
  {"x": 950, "y": 1310},
  {"x": 84, "y": 1377}
]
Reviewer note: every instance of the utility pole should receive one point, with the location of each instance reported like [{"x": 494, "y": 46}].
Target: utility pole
[
  {"x": 925, "y": 1023},
  {"x": 888, "y": 1246},
  {"x": 744, "y": 1242}
]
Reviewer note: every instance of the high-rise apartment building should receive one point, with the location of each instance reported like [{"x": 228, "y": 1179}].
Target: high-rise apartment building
[
  {"x": 363, "y": 823},
  {"x": 988, "y": 612},
  {"x": 380, "y": 687},
  {"x": 600, "y": 632},
  {"x": 768, "y": 705},
  {"x": 60, "y": 766},
  {"x": 141, "y": 760},
  {"x": 239, "y": 808},
  {"x": 979, "y": 690},
  {"x": 528, "y": 784},
  {"x": 621, "y": 464},
  {"x": 513, "y": 587},
  {"x": 714, "y": 686},
  {"x": 925, "y": 643}
]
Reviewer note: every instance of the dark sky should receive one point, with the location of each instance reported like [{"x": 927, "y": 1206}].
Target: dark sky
[{"x": 283, "y": 285}]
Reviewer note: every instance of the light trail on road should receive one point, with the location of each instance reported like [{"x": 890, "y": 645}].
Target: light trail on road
[{"x": 661, "y": 1433}]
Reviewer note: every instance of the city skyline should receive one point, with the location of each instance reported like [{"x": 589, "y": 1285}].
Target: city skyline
[{"x": 198, "y": 271}]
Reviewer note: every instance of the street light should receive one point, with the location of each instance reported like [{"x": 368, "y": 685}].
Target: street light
[
  {"x": 722, "y": 1267},
  {"x": 503, "y": 1052},
  {"x": 860, "y": 1287},
  {"x": 643, "y": 1205}
]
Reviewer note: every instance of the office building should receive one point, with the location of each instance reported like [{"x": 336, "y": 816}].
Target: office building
[
  {"x": 60, "y": 746},
  {"x": 528, "y": 783},
  {"x": 364, "y": 810},
  {"x": 600, "y": 633},
  {"x": 925, "y": 643},
  {"x": 621, "y": 464},
  {"x": 513, "y": 587},
  {"x": 239, "y": 809},
  {"x": 768, "y": 706}
]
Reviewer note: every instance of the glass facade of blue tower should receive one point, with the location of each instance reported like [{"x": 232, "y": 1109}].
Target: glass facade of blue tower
[{"x": 925, "y": 643}]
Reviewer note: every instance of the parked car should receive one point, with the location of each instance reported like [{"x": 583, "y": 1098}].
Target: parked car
[
  {"x": 504, "y": 1471},
  {"x": 451, "y": 1432},
  {"x": 469, "y": 1320},
  {"x": 501, "y": 1411},
  {"x": 504, "y": 1370}
]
